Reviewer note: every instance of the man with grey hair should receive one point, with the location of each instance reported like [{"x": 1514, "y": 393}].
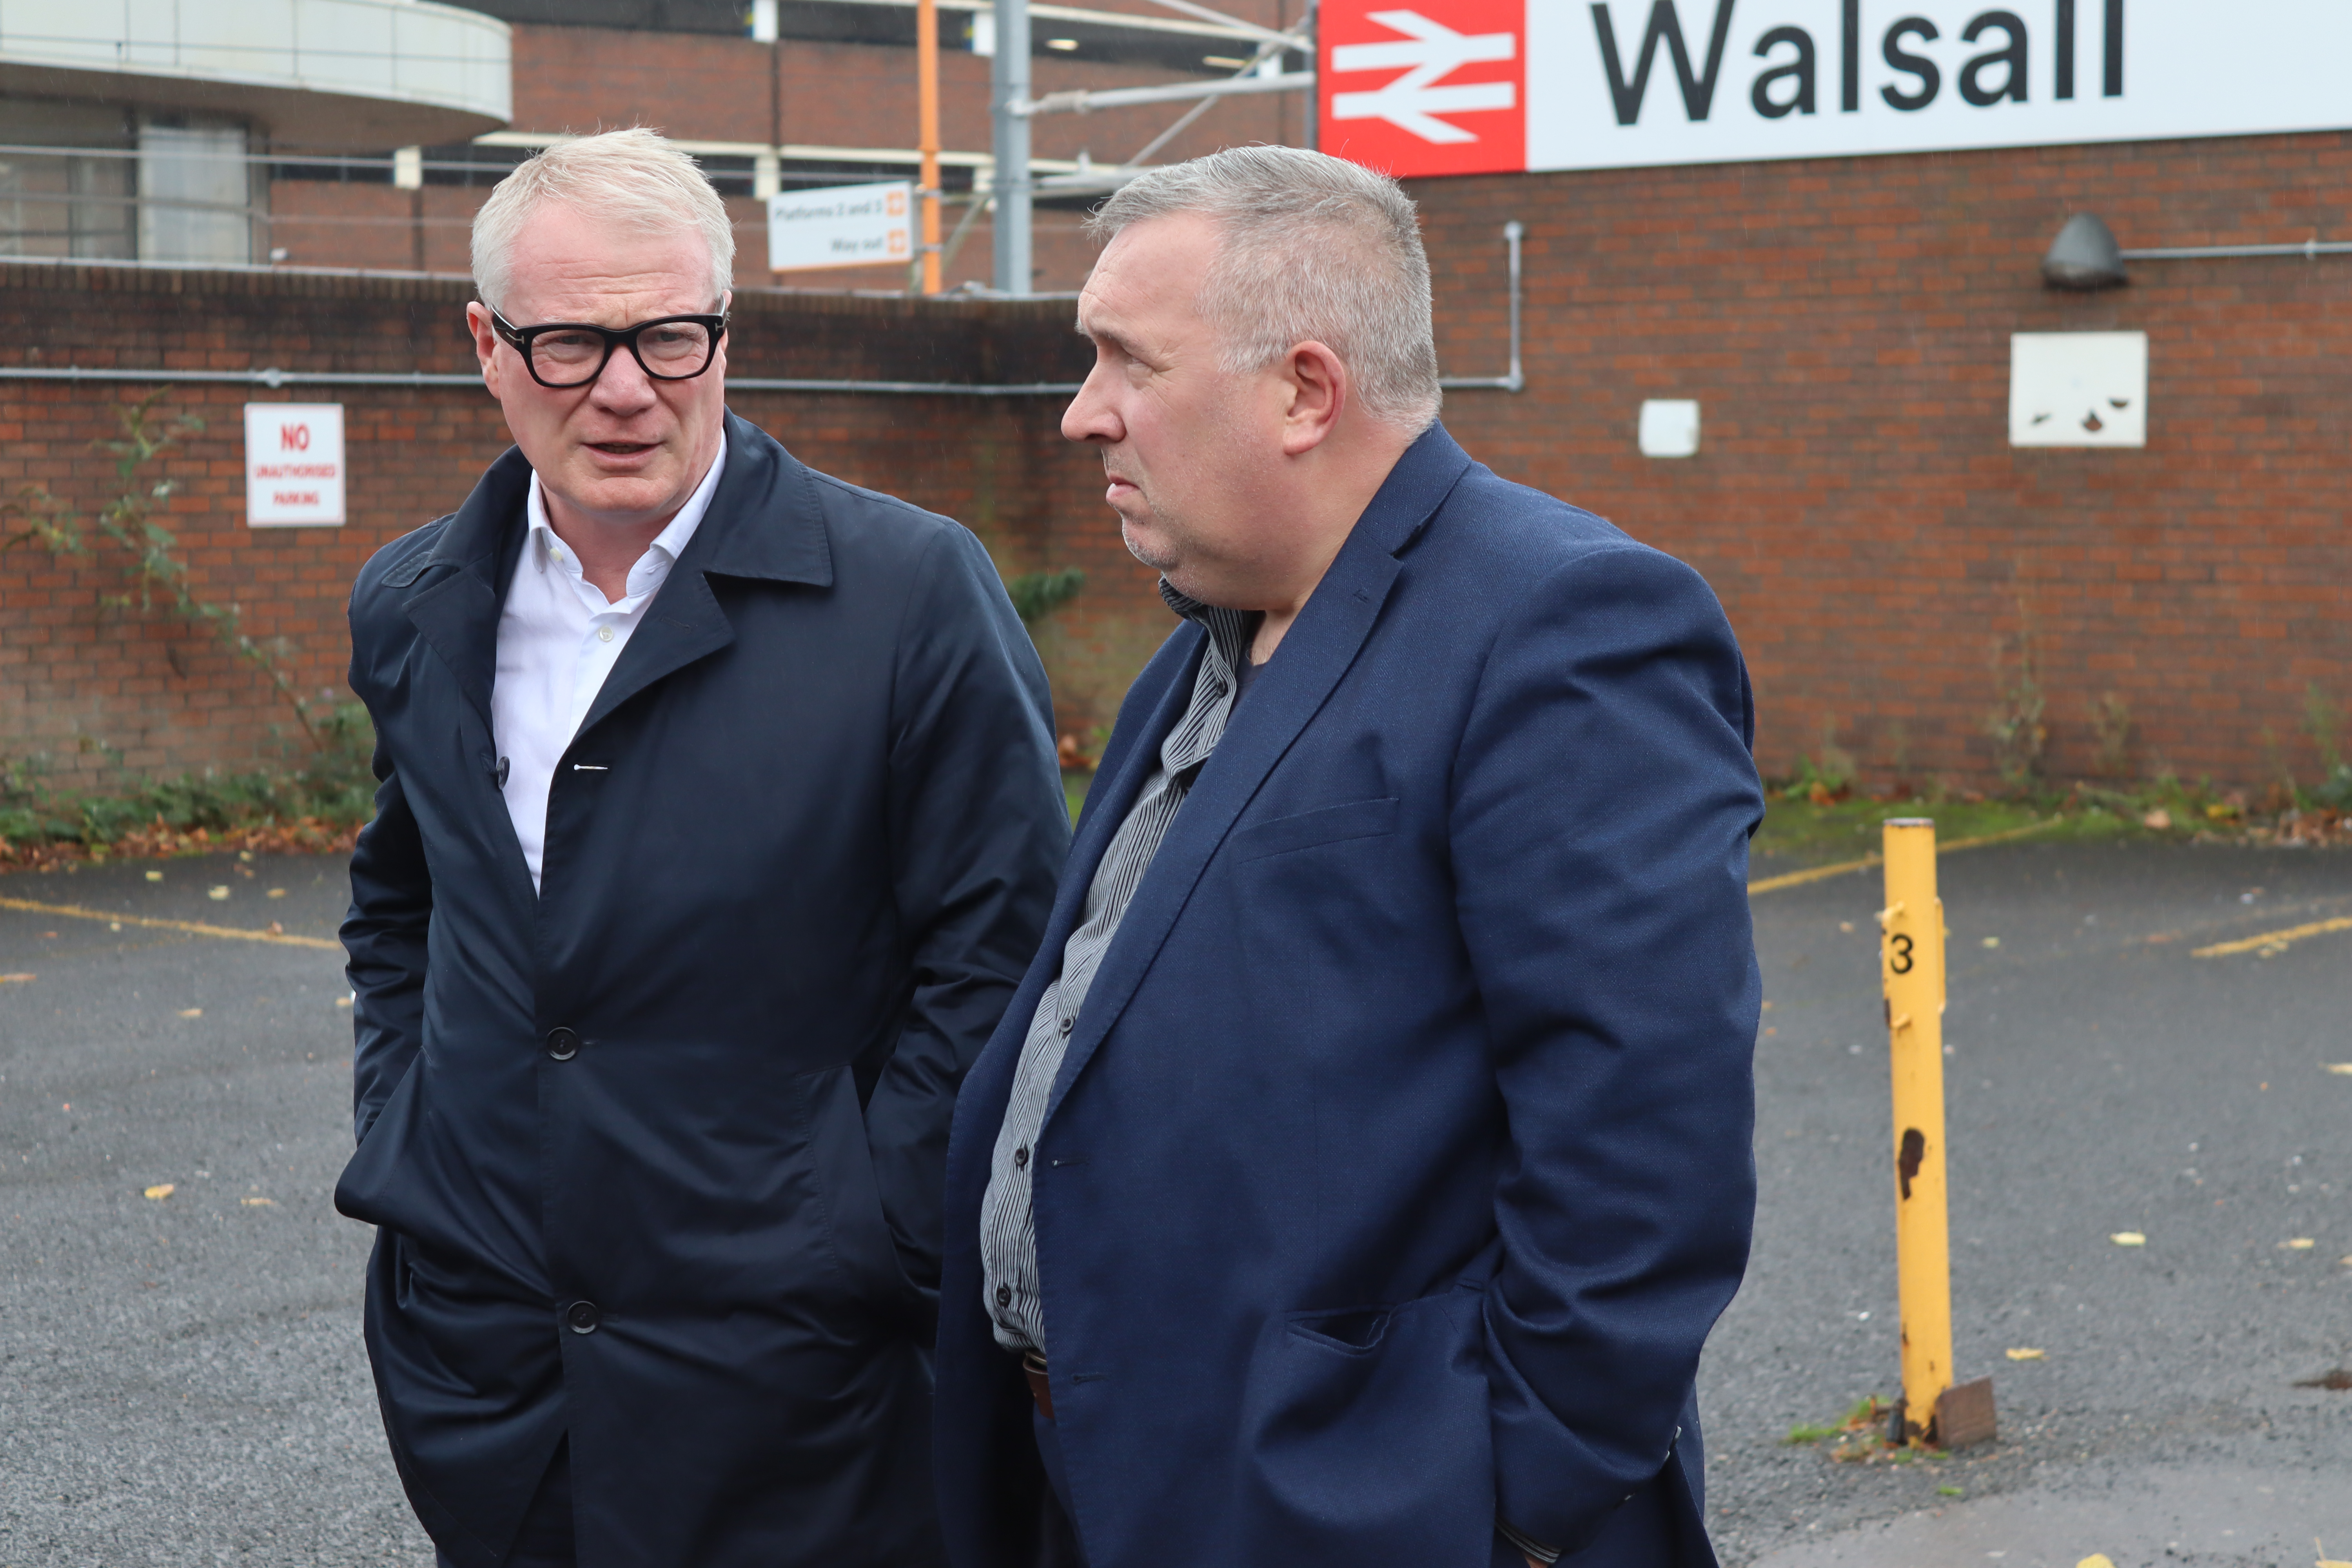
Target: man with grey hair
[
  {"x": 718, "y": 816},
  {"x": 1359, "y": 1170}
]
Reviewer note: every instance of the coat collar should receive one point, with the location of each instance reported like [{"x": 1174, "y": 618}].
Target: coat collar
[
  {"x": 765, "y": 522},
  {"x": 1286, "y": 696}
]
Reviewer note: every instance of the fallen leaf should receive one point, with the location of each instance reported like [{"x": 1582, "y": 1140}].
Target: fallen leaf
[
  {"x": 217, "y": 894},
  {"x": 2300, "y": 1244},
  {"x": 246, "y": 856},
  {"x": 276, "y": 892},
  {"x": 277, "y": 930},
  {"x": 155, "y": 876},
  {"x": 2159, "y": 819},
  {"x": 48, "y": 933},
  {"x": 345, "y": 1001},
  {"x": 15, "y": 979},
  {"x": 2341, "y": 1069},
  {"x": 2095, "y": 1559},
  {"x": 258, "y": 1203},
  {"x": 2129, "y": 1238},
  {"x": 2024, "y": 1352},
  {"x": 1845, "y": 925},
  {"x": 192, "y": 1012},
  {"x": 162, "y": 1190},
  {"x": 1993, "y": 941}
]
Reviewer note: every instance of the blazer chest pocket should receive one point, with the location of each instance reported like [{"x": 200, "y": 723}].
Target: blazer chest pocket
[{"x": 1309, "y": 830}]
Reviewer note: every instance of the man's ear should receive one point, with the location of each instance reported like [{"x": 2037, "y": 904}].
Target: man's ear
[
  {"x": 1319, "y": 391},
  {"x": 486, "y": 343}
]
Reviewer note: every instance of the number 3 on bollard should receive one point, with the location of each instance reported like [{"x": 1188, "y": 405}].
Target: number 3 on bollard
[{"x": 1911, "y": 951}]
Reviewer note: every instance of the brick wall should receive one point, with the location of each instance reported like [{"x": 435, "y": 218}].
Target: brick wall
[
  {"x": 93, "y": 691},
  {"x": 1844, "y": 324}
]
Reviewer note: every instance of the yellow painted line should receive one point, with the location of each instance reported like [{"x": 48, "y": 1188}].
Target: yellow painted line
[
  {"x": 193, "y": 928},
  {"x": 2273, "y": 938},
  {"x": 1816, "y": 874},
  {"x": 1822, "y": 873}
]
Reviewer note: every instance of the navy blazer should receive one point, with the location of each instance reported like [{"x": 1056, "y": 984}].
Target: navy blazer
[
  {"x": 699, "y": 1083},
  {"x": 1401, "y": 1160}
]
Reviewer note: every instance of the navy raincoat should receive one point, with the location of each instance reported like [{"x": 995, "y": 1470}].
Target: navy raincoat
[{"x": 656, "y": 1152}]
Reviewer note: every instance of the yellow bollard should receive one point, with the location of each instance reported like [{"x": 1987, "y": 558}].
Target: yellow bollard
[{"x": 1911, "y": 960}]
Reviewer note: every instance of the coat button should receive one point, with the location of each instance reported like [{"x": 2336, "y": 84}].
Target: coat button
[
  {"x": 1068, "y": 1024},
  {"x": 1021, "y": 1158},
  {"x": 581, "y": 1316},
  {"x": 564, "y": 1045},
  {"x": 1004, "y": 1295}
]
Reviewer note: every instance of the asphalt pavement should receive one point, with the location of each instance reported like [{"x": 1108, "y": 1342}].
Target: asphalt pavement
[
  {"x": 181, "y": 1380},
  {"x": 181, "y": 1377},
  {"x": 2102, "y": 1080}
]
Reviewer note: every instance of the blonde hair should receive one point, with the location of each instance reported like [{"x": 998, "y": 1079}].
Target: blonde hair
[
  {"x": 634, "y": 179},
  {"x": 1309, "y": 247}
]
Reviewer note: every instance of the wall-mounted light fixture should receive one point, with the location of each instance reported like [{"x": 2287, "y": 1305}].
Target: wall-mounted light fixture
[{"x": 2085, "y": 257}]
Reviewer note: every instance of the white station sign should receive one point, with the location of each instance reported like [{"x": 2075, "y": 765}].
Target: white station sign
[
  {"x": 293, "y": 464},
  {"x": 842, "y": 225},
  {"x": 1465, "y": 87}
]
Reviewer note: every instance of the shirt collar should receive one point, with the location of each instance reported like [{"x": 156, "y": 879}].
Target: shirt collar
[
  {"x": 1230, "y": 632},
  {"x": 671, "y": 541}
]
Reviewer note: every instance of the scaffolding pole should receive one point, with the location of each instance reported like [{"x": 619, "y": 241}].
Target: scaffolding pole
[
  {"x": 926, "y": 132},
  {"x": 1009, "y": 180}
]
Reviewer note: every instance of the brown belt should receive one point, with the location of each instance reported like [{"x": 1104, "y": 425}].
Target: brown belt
[{"x": 1032, "y": 1367}]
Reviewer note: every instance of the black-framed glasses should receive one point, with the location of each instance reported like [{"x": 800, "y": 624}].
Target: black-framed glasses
[{"x": 561, "y": 355}]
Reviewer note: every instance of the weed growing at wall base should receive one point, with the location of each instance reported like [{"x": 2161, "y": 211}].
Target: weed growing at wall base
[{"x": 317, "y": 804}]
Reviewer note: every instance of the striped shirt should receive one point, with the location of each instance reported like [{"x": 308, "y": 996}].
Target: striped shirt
[{"x": 1008, "y": 1232}]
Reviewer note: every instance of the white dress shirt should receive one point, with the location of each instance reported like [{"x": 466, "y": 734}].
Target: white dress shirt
[{"x": 559, "y": 637}]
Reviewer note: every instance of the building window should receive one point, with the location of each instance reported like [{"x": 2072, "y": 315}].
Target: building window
[
  {"x": 196, "y": 192},
  {"x": 68, "y": 204}
]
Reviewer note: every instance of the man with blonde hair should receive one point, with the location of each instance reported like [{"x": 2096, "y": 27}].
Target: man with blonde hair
[
  {"x": 718, "y": 816},
  {"x": 1359, "y": 1170}
]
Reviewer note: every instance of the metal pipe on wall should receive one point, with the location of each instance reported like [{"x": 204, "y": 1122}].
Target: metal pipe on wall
[
  {"x": 2310, "y": 249},
  {"x": 1514, "y": 233},
  {"x": 1516, "y": 381},
  {"x": 274, "y": 377},
  {"x": 1009, "y": 179}
]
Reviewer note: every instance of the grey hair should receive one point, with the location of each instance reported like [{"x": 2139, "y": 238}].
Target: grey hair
[
  {"x": 1310, "y": 247},
  {"x": 635, "y": 180}
]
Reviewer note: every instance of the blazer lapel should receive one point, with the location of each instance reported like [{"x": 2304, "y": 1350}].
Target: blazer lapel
[
  {"x": 457, "y": 614},
  {"x": 1315, "y": 654},
  {"x": 765, "y": 522}
]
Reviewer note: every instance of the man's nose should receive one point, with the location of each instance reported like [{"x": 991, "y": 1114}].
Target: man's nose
[
  {"x": 1091, "y": 415},
  {"x": 625, "y": 387}
]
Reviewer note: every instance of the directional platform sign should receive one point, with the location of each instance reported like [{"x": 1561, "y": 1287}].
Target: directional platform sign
[
  {"x": 842, "y": 225},
  {"x": 1468, "y": 87}
]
